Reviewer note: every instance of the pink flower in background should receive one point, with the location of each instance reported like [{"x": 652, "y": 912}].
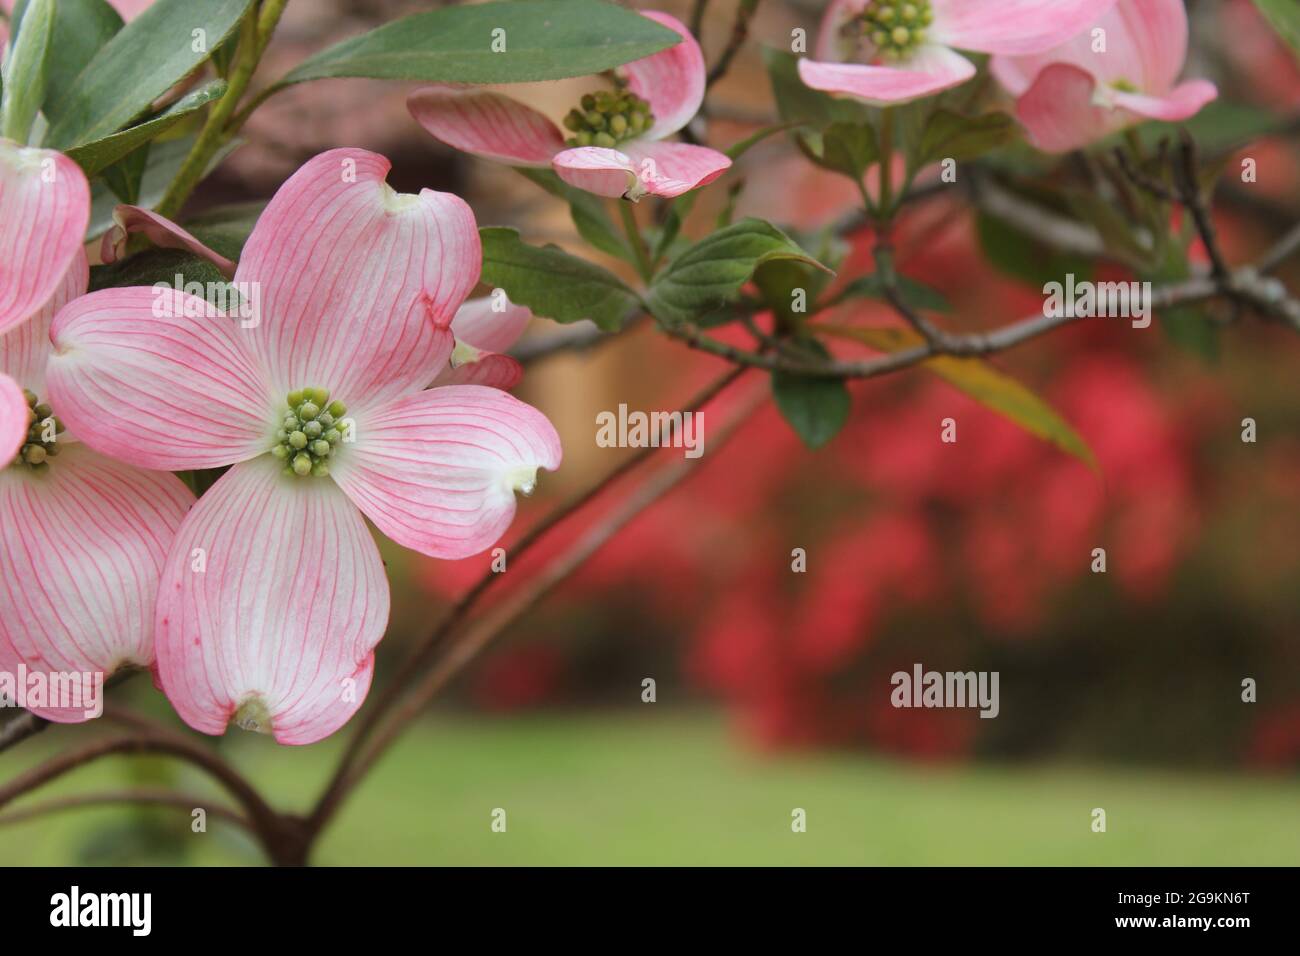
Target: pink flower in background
[
  {"x": 886, "y": 52},
  {"x": 615, "y": 145},
  {"x": 83, "y": 538},
  {"x": 274, "y": 595},
  {"x": 1080, "y": 92}
]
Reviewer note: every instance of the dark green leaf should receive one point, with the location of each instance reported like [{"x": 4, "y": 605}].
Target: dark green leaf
[
  {"x": 544, "y": 40},
  {"x": 1115, "y": 230},
  {"x": 796, "y": 103},
  {"x": 226, "y": 228},
  {"x": 92, "y": 157},
  {"x": 126, "y": 175},
  {"x": 1284, "y": 16},
  {"x": 81, "y": 27},
  {"x": 848, "y": 148},
  {"x": 140, "y": 63},
  {"x": 1023, "y": 257},
  {"x": 158, "y": 265},
  {"x": 949, "y": 135},
  {"x": 1187, "y": 326},
  {"x": 586, "y": 210},
  {"x": 709, "y": 274},
  {"x": 553, "y": 283},
  {"x": 25, "y": 71},
  {"x": 815, "y": 407},
  {"x": 1220, "y": 126},
  {"x": 737, "y": 150},
  {"x": 916, "y": 294}
]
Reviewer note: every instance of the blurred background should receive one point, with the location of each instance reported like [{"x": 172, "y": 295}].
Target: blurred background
[{"x": 1120, "y": 690}]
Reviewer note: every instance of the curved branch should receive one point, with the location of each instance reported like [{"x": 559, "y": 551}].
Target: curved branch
[
  {"x": 515, "y": 605},
  {"x": 164, "y": 798}
]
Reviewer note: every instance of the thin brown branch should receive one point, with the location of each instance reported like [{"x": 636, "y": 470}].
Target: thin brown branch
[
  {"x": 745, "y": 10},
  {"x": 1186, "y": 173},
  {"x": 422, "y": 653},
  {"x": 262, "y": 817},
  {"x": 164, "y": 798},
  {"x": 472, "y": 641}
]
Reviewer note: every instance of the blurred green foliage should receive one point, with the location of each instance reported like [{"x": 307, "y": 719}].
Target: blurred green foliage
[{"x": 674, "y": 789}]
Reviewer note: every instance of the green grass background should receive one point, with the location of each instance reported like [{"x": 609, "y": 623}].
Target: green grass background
[{"x": 675, "y": 789}]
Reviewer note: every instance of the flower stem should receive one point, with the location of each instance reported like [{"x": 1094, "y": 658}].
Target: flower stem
[
  {"x": 256, "y": 34},
  {"x": 886, "y": 164},
  {"x": 635, "y": 240}
]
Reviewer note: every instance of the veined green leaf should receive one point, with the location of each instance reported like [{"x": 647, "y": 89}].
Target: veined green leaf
[
  {"x": 710, "y": 273},
  {"x": 553, "y": 283},
  {"x": 816, "y": 407},
  {"x": 141, "y": 62},
  {"x": 92, "y": 157},
  {"x": 511, "y": 41}
]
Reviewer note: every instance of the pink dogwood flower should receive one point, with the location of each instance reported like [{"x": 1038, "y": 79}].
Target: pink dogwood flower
[
  {"x": 616, "y": 144},
  {"x": 886, "y": 52},
  {"x": 83, "y": 538},
  {"x": 1092, "y": 86},
  {"x": 274, "y": 595}
]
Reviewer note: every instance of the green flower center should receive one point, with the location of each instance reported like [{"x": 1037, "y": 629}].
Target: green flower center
[
  {"x": 312, "y": 428},
  {"x": 43, "y": 430},
  {"x": 895, "y": 28},
  {"x": 609, "y": 117}
]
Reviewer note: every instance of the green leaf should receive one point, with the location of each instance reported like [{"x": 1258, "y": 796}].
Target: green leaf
[
  {"x": 159, "y": 265},
  {"x": 848, "y": 148},
  {"x": 678, "y": 212},
  {"x": 553, "y": 283},
  {"x": 1024, "y": 258},
  {"x": 586, "y": 210},
  {"x": 25, "y": 71},
  {"x": 126, "y": 176},
  {"x": 796, "y": 103},
  {"x": 140, "y": 63},
  {"x": 1187, "y": 326},
  {"x": 982, "y": 382},
  {"x": 164, "y": 160},
  {"x": 916, "y": 294},
  {"x": 1284, "y": 17},
  {"x": 1221, "y": 126},
  {"x": 92, "y": 157},
  {"x": 225, "y": 229},
  {"x": 81, "y": 27},
  {"x": 1115, "y": 230},
  {"x": 737, "y": 150},
  {"x": 709, "y": 274},
  {"x": 949, "y": 135},
  {"x": 815, "y": 407},
  {"x": 544, "y": 40}
]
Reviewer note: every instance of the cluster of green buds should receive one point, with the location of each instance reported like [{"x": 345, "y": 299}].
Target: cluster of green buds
[
  {"x": 309, "y": 433},
  {"x": 895, "y": 27},
  {"x": 608, "y": 118},
  {"x": 43, "y": 430}
]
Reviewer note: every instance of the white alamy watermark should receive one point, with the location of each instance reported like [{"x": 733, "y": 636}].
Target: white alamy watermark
[
  {"x": 923, "y": 688},
  {"x": 1104, "y": 300},
  {"x": 53, "y": 690},
  {"x": 210, "y": 300},
  {"x": 638, "y": 429},
  {"x": 75, "y": 908}
]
